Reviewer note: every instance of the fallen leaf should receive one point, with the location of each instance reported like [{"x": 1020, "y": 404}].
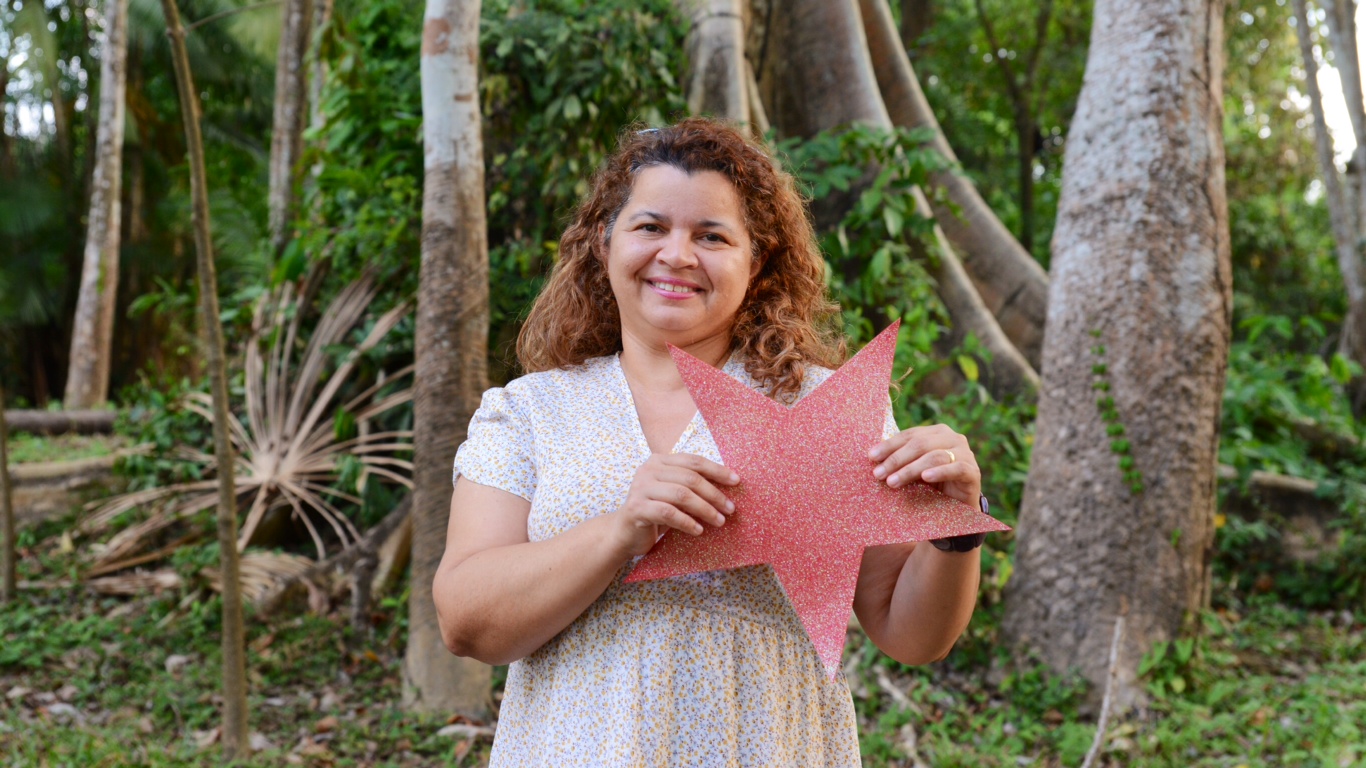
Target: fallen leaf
[
  {"x": 205, "y": 739},
  {"x": 175, "y": 663},
  {"x": 64, "y": 713},
  {"x": 329, "y": 723},
  {"x": 329, "y": 701},
  {"x": 18, "y": 692},
  {"x": 259, "y": 742}
]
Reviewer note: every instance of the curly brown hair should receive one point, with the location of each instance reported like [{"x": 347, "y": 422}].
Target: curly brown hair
[{"x": 786, "y": 319}]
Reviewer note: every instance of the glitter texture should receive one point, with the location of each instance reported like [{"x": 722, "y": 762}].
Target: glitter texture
[{"x": 808, "y": 503}]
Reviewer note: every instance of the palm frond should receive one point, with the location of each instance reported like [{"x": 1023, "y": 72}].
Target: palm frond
[{"x": 288, "y": 450}]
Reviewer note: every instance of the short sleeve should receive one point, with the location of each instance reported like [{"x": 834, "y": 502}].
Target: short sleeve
[{"x": 499, "y": 450}]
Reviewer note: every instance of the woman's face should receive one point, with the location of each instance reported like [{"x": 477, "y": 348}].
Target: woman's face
[{"x": 679, "y": 258}]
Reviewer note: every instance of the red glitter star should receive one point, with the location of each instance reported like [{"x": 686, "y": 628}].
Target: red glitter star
[{"x": 807, "y": 503}]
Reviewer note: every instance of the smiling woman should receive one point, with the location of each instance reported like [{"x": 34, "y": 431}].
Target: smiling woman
[{"x": 691, "y": 237}]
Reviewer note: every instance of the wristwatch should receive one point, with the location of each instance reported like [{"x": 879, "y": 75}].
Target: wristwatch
[{"x": 967, "y": 542}]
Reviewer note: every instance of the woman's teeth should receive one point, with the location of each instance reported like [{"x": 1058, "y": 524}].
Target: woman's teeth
[{"x": 673, "y": 288}]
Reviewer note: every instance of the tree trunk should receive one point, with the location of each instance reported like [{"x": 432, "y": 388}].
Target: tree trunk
[
  {"x": 1139, "y": 311},
  {"x": 817, "y": 74},
  {"x": 1008, "y": 373},
  {"x": 92, "y": 334},
  {"x": 916, "y": 18},
  {"x": 286, "y": 138},
  {"x": 717, "y": 83},
  {"x": 8, "y": 548},
  {"x": 1012, "y": 284},
  {"x": 235, "y": 736},
  {"x": 452, "y": 339},
  {"x": 7, "y": 167},
  {"x": 61, "y": 422},
  {"x": 1341, "y": 22},
  {"x": 833, "y": 84},
  {"x": 1347, "y": 228},
  {"x": 317, "y": 76}
]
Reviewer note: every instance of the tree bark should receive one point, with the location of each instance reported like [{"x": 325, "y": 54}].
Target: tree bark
[
  {"x": 1140, "y": 268},
  {"x": 234, "y": 734},
  {"x": 8, "y": 548},
  {"x": 1347, "y": 226},
  {"x": 1012, "y": 284},
  {"x": 916, "y": 18},
  {"x": 92, "y": 334},
  {"x": 286, "y": 138},
  {"x": 717, "y": 83},
  {"x": 61, "y": 422},
  {"x": 452, "y": 339}
]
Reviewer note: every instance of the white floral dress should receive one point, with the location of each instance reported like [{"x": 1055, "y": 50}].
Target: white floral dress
[{"x": 711, "y": 669}]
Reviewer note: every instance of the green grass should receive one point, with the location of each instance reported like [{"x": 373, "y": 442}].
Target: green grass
[
  {"x": 318, "y": 695},
  {"x": 1267, "y": 684},
  {"x": 26, "y": 448}
]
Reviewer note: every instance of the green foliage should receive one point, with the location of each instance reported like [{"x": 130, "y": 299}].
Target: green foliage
[
  {"x": 967, "y": 90},
  {"x": 1274, "y": 391},
  {"x": 158, "y": 418},
  {"x": 362, "y": 208}
]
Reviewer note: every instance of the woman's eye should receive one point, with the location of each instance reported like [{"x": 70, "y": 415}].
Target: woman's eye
[
  {"x": 651, "y": 228},
  {"x": 712, "y": 237}
]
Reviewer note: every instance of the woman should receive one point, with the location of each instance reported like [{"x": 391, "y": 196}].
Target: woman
[{"x": 691, "y": 236}]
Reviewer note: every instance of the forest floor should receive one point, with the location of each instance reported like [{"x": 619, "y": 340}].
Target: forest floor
[{"x": 101, "y": 681}]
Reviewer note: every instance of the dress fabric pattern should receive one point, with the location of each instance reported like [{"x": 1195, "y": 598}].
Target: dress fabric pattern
[{"x": 711, "y": 669}]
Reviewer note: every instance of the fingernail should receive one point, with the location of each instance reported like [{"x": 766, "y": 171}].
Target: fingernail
[
  {"x": 879, "y": 472},
  {"x": 734, "y": 478},
  {"x": 929, "y": 476},
  {"x": 872, "y": 453},
  {"x": 894, "y": 481},
  {"x": 730, "y": 505}
]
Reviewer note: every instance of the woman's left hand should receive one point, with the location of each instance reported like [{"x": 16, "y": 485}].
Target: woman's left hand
[{"x": 936, "y": 455}]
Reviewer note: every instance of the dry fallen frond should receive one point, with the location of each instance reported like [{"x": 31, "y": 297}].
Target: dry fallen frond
[{"x": 288, "y": 453}]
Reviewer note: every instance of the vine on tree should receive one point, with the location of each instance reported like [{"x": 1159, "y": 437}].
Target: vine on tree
[{"x": 1114, "y": 428}]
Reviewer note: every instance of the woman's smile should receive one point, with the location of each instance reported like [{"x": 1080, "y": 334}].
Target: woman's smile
[{"x": 673, "y": 289}]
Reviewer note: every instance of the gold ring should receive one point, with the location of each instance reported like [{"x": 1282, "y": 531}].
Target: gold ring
[{"x": 952, "y": 458}]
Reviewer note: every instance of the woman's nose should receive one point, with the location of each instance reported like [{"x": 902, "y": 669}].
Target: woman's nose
[{"x": 677, "y": 251}]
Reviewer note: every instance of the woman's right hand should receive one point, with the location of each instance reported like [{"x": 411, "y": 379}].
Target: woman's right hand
[{"x": 672, "y": 490}]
